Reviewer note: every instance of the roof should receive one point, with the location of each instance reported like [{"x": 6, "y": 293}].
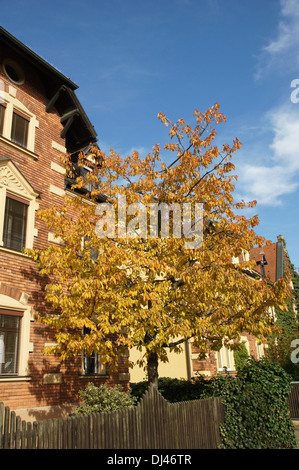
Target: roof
[
  {"x": 60, "y": 90},
  {"x": 32, "y": 57}
]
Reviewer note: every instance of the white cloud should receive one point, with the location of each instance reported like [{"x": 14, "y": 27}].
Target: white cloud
[
  {"x": 282, "y": 51},
  {"x": 271, "y": 168},
  {"x": 285, "y": 145},
  {"x": 287, "y": 28},
  {"x": 278, "y": 175},
  {"x": 265, "y": 184}
]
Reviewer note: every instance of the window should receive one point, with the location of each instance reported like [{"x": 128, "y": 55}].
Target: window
[
  {"x": 17, "y": 123},
  {"x": 85, "y": 171},
  {"x": 19, "y": 129},
  {"x": 93, "y": 364},
  {"x": 260, "y": 350},
  {"x": 9, "y": 341},
  {"x": 14, "y": 231},
  {"x": 17, "y": 209},
  {"x": 225, "y": 359},
  {"x": 90, "y": 364},
  {"x": 15, "y": 346}
]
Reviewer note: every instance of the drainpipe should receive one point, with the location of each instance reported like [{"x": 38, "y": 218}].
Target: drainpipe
[{"x": 188, "y": 359}]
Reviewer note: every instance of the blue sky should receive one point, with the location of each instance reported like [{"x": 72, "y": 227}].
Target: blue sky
[{"x": 132, "y": 59}]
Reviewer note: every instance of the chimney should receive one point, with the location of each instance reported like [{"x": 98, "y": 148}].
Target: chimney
[{"x": 279, "y": 257}]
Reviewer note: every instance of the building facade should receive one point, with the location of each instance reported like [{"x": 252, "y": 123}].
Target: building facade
[{"x": 40, "y": 120}]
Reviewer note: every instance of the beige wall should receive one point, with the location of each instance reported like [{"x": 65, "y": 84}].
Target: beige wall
[{"x": 177, "y": 367}]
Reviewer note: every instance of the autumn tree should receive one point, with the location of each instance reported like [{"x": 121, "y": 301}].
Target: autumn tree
[{"x": 133, "y": 280}]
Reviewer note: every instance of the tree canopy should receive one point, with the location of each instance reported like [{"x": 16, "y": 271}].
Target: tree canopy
[{"x": 123, "y": 282}]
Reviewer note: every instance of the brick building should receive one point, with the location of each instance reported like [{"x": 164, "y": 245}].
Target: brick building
[
  {"x": 270, "y": 263},
  {"x": 40, "y": 120}
]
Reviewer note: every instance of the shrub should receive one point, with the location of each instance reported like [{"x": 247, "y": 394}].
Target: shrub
[
  {"x": 174, "y": 390},
  {"x": 257, "y": 411},
  {"x": 98, "y": 399}
]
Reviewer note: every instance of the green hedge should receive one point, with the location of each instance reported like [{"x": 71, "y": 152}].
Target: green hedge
[
  {"x": 175, "y": 390},
  {"x": 257, "y": 411}
]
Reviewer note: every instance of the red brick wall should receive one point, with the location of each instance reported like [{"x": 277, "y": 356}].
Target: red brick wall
[
  {"x": 210, "y": 363},
  {"x": 18, "y": 274}
]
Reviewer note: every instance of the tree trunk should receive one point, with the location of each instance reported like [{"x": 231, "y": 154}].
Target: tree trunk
[{"x": 152, "y": 369}]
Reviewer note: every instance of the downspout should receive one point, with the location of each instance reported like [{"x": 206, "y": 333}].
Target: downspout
[{"x": 188, "y": 359}]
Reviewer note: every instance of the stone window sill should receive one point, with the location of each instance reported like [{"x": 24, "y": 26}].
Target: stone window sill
[{"x": 9, "y": 143}]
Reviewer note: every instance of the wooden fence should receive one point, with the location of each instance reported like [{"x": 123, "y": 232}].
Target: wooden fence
[
  {"x": 152, "y": 424},
  {"x": 293, "y": 400}
]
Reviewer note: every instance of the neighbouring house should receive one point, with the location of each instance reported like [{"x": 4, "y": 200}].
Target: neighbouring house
[
  {"x": 271, "y": 261},
  {"x": 40, "y": 120}
]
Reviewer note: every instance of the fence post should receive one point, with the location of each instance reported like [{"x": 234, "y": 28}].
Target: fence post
[
  {"x": 6, "y": 428},
  {"x": 1, "y": 424}
]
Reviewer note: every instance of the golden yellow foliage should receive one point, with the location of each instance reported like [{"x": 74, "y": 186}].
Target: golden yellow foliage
[{"x": 147, "y": 291}]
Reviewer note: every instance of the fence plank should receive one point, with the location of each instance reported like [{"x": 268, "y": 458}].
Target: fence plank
[
  {"x": 40, "y": 435},
  {"x": 23, "y": 436},
  {"x": 6, "y": 428},
  {"x": 12, "y": 426},
  {"x": 34, "y": 435},
  {"x": 1, "y": 425},
  {"x": 64, "y": 433},
  {"x": 28, "y": 434},
  {"x": 293, "y": 401},
  {"x": 18, "y": 432}
]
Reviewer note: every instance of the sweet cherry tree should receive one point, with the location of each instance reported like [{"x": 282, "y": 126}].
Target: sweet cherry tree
[{"x": 117, "y": 280}]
